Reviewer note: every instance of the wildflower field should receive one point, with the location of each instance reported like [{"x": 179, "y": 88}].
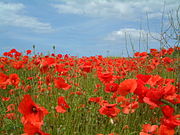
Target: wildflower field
[{"x": 65, "y": 95}]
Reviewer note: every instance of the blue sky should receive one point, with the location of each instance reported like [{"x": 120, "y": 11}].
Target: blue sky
[{"x": 80, "y": 27}]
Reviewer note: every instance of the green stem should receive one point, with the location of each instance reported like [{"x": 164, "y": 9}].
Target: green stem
[{"x": 168, "y": 103}]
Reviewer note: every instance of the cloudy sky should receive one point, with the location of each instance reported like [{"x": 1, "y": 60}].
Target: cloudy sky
[{"x": 81, "y": 27}]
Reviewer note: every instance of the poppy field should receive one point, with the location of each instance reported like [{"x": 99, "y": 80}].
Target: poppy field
[{"x": 59, "y": 94}]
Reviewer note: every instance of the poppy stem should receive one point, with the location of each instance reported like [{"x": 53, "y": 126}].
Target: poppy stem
[{"x": 168, "y": 103}]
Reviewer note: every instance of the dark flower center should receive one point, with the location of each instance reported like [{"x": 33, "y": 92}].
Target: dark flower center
[{"x": 34, "y": 109}]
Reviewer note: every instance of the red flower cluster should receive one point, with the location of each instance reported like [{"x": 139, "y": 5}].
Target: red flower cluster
[
  {"x": 62, "y": 105},
  {"x": 109, "y": 109},
  {"x": 61, "y": 84},
  {"x": 33, "y": 116},
  {"x": 12, "y": 79}
]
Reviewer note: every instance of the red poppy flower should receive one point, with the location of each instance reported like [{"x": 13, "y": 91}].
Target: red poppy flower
[
  {"x": 149, "y": 129},
  {"x": 141, "y": 90},
  {"x": 59, "y": 56},
  {"x": 154, "y": 52},
  {"x": 28, "y": 51},
  {"x": 10, "y": 107},
  {"x": 5, "y": 53},
  {"x": 174, "y": 99},
  {"x": 61, "y": 84},
  {"x": 86, "y": 67},
  {"x": 127, "y": 86},
  {"x": 47, "y": 62},
  {"x": 106, "y": 77},
  {"x": 18, "y": 64},
  {"x": 170, "y": 51},
  {"x": 154, "y": 80},
  {"x": 17, "y": 54},
  {"x": 169, "y": 89},
  {"x": 95, "y": 99},
  {"x": 76, "y": 93},
  {"x": 167, "y": 60},
  {"x": 48, "y": 79},
  {"x": 130, "y": 108},
  {"x": 13, "y": 51},
  {"x": 121, "y": 99},
  {"x": 111, "y": 87},
  {"x": 136, "y": 54},
  {"x": 3, "y": 80},
  {"x": 14, "y": 79},
  {"x": 170, "y": 69},
  {"x": 143, "y": 54},
  {"x": 171, "y": 122},
  {"x": 31, "y": 129},
  {"x": 153, "y": 97},
  {"x": 164, "y": 130},
  {"x": 110, "y": 110},
  {"x": 167, "y": 111},
  {"x": 103, "y": 102},
  {"x": 143, "y": 78},
  {"x": 2, "y": 67},
  {"x": 31, "y": 111},
  {"x": 60, "y": 68},
  {"x": 5, "y": 98},
  {"x": 163, "y": 52},
  {"x": 10, "y": 116},
  {"x": 62, "y": 105}
]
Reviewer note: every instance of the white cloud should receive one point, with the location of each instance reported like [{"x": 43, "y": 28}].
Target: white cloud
[
  {"x": 130, "y": 32},
  {"x": 126, "y": 9},
  {"x": 11, "y": 14}
]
